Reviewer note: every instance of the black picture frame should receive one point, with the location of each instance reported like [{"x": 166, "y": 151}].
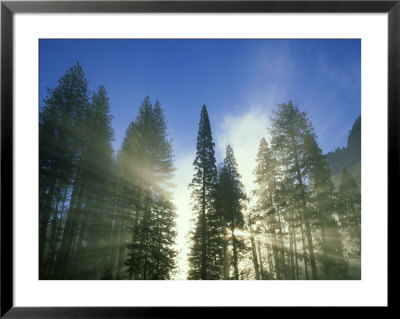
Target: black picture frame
[{"x": 9, "y": 8}]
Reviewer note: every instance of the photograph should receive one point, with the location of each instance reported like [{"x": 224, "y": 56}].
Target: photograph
[{"x": 199, "y": 159}]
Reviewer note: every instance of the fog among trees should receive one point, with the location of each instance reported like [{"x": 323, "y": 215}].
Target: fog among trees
[{"x": 106, "y": 215}]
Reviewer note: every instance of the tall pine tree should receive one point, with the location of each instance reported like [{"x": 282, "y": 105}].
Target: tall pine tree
[
  {"x": 206, "y": 253},
  {"x": 62, "y": 134},
  {"x": 146, "y": 164},
  {"x": 291, "y": 132},
  {"x": 92, "y": 254},
  {"x": 76, "y": 169},
  {"x": 322, "y": 201},
  {"x": 266, "y": 193}
]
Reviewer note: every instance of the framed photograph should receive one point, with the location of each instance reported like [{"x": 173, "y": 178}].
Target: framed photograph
[{"x": 164, "y": 155}]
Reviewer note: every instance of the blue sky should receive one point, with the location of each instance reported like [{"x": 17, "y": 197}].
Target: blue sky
[
  {"x": 230, "y": 76},
  {"x": 240, "y": 81}
]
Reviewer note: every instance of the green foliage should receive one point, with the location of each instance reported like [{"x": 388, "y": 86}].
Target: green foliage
[
  {"x": 296, "y": 204},
  {"x": 293, "y": 144},
  {"x": 76, "y": 172},
  {"x": 231, "y": 203},
  {"x": 265, "y": 211},
  {"x": 206, "y": 254},
  {"x": 88, "y": 204},
  {"x": 322, "y": 199},
  {"x": 231, "y": 190},
  {"x": 146, "y": 164}
]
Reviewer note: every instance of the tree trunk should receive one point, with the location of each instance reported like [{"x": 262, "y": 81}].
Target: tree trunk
[
  {"x": 255, "y": 259},
  {"x": 291, "y": 252},
  {"x": 282, "y": 246},
  {"x": 275, "y": 251},
  {"x": 304, "y": 252},
  {"x": 120, "y": 238},
  {"x": 78, "y": 256},
  {"x": 53, "y": 242},
  {"x": 69, "y": 230},
  {"x": 139, "y": 207},
  {"x": 226, "y": 266},
  {"x": 158, "y": 259},
  {"x": 44, "y": 220},
  {"x": 271, "y": 272},
  {"x": 261, "y": 260},
  {"x": 323, "y": 244},
  {"x": 57, "y": 242},
  {"x": 253, "y": 250},
  {"x": 310, "y": 247},
  {"x": 235, "y": 255},
  {"x": 295, "y": 253},
  {"x": 203, "y": 225},
  {"x": 305, "y": 210},
  {"x": 145, "y": 263}
]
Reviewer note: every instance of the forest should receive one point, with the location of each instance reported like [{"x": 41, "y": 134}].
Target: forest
[{"x": 110, "y": 215}]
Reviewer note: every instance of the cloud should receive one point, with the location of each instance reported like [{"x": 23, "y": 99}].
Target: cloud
[{"x": 243, "y": 132}]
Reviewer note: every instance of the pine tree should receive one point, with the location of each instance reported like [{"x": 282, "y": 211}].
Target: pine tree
[
  {"x": 62, "y": 136},
  {"x": 322, "y": 199},
  {"x": 206, "y": 255},
  {"x": 163, "y": 254},
  {"x": 89, "y": 207},
  {"x": 146, "y": 164},
  {"x": 251, "y": 220},
  {"x": 92, "y": 253},
  {"x": 291, "y": 132},
  {"x": 132, "y": 195},
  {"x": 265, "y": 174},
  {"x": 232, "y": 196}
]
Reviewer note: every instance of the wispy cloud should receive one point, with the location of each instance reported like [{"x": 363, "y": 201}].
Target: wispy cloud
[{"x": 243, "y": 132}]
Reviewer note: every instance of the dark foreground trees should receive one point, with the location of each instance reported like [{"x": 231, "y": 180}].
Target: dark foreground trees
[
  {"x": 90, "y": 205},
  {"x": 75, "y": 172},
  {"x": 298, "y": 226},
  {"x": 206, "y": 256},
  {"x": 218, "y": 200},
  {"x": 146, "y": 166},
  {"x": 231, "y": 205}
]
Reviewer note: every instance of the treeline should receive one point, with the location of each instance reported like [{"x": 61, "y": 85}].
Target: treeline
[
  {"x": 349, "y": 156},
  {"x": 293, "y": 226},
  {"x": 103, "y": 216}
]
